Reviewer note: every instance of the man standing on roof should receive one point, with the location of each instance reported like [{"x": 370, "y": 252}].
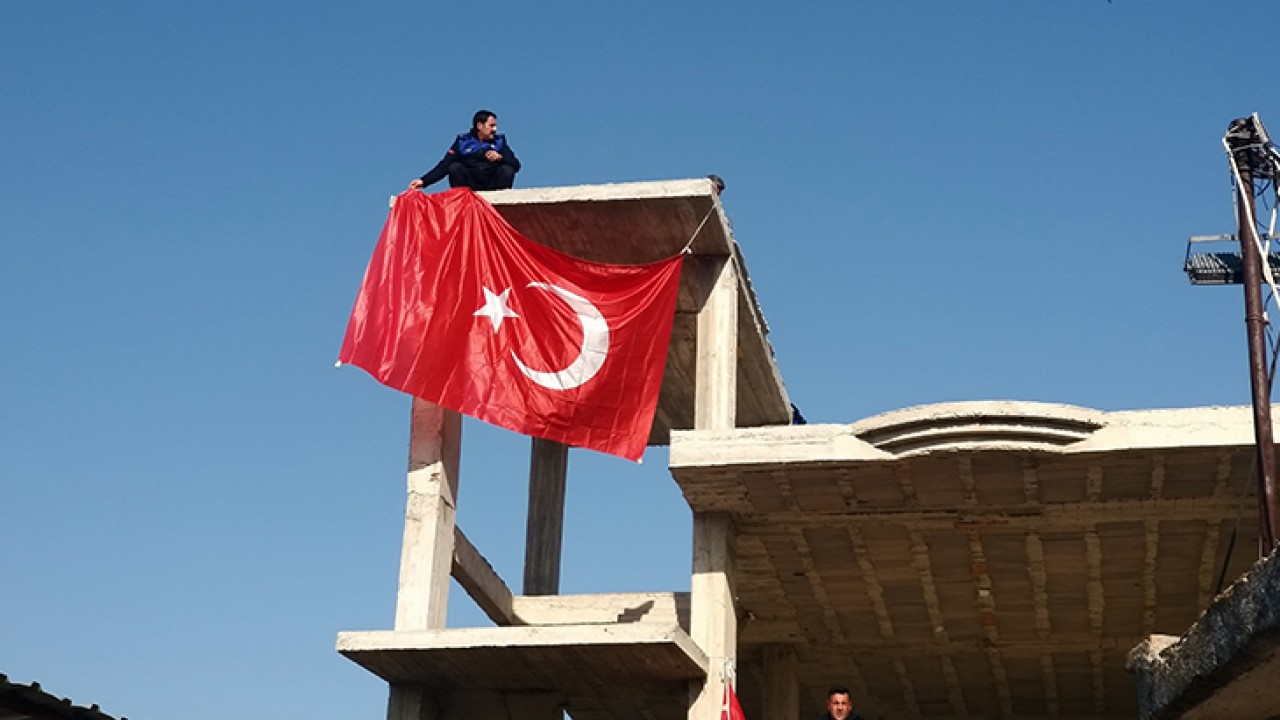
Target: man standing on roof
[
  {"x": 839, "y": 706},
  {"x": 480, "y": 159}
]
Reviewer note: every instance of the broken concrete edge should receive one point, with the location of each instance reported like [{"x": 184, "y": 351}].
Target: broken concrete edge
[{"x": 1238, "y": 630}]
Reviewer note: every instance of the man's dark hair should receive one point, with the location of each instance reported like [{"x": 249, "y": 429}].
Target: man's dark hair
[
  {"x": 482, "y": 116},
  {"x": 838, "y": 690}
]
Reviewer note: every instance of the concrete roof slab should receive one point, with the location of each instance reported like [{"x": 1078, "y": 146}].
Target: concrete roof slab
[
  {"x": 603, "y": 671},
  {"x": 976, "y": 559}
]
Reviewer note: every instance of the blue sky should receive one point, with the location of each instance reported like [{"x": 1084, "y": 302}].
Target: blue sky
[{"x": 936, "y": 200}]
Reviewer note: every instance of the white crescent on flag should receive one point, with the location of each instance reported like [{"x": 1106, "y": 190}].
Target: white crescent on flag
[{"x": 592, "y": 354}]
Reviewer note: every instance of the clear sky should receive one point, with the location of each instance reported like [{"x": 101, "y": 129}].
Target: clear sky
[{"x": 948, "y": 200}]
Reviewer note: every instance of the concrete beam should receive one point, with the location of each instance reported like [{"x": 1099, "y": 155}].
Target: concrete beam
[
  {"x": 1058, "y": 429},
  {"x": 563, "y": 658},
  {"x": 1006, "y": 517},
  {"x": 474, "y": 573},
  {"x": 604, "y": 609}
]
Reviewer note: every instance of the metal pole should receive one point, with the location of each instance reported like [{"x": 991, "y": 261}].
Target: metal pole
[{"x": 1256, "y": 325}]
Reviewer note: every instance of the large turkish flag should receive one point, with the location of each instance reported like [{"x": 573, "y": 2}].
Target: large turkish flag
[{"x": 459, "y": 309}]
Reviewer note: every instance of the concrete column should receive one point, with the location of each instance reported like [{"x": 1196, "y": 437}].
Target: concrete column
[
  {"x": 426, "y": 556},
  {"x": 411, "y": 702},
  {"x": 713, "y": 617},
  {"x": 416, "y": 703},
  {"x": 781, "y": 688},
  {"x": 716, "y": 393},
  {"x": 544, "y": 528},
  {"x": 497, "y": 705}
]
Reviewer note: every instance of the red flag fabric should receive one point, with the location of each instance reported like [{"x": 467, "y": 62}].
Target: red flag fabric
[
  {"x": 459, "y": 309},
  {"x": 730, "y": 709}
]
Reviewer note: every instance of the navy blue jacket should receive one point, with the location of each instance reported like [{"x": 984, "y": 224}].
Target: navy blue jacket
[{"x": 469, "y": 150}]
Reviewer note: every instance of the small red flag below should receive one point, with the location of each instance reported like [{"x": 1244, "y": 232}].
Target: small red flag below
[{"x": 730, "y": 709}]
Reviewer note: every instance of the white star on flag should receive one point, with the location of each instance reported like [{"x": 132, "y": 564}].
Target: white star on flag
[{"x": 495, "y": 308}]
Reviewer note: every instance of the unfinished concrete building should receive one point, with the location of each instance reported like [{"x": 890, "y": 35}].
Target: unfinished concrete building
[{"x": 970, "y": 560}]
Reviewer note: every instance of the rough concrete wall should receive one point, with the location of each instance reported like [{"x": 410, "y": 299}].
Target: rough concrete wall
[{"x": 1225, "y": 665}]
